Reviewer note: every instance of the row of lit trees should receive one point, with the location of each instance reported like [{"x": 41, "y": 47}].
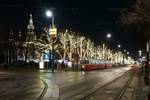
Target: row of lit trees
[{"x": 74, "y": 47}]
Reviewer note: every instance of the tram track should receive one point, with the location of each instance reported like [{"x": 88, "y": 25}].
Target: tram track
[
  {"x": 44, "y": 86},
  {"x": 100, "y": 88},
  {"x": 16, "y": 86},
  {"x": 44, "y": 90},
  {"x": 11, "y": 93},
  {"x": 126, "y": 86}
]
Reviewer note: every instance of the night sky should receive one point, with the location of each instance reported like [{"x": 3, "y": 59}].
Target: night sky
[{"x": 92, "y": 18}]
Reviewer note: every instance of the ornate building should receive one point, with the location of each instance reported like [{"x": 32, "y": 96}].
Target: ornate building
[
  {"x": 31, "y": 37},
  {"x": 21, "y": 48},
  {"x": 10, "y": 49}
]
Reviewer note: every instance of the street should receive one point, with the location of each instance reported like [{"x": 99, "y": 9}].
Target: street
[
  {"x": 78, "y": 50},
  {"x": 32, "y": 85}
]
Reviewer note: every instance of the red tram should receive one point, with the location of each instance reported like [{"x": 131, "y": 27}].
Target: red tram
[{"x": 93, "y": 64}]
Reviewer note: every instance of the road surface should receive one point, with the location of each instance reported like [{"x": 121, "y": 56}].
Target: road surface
[{"x": 44, "y": 85}]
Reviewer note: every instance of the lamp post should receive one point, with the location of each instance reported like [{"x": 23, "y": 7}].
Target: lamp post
[
  {"x": 52, "y": 34},
  {"x": 108, "y": 37},
  {"x": 121, "y": 58},
  {"x": 140, "y": 55},
  {"x": 147, "y": 65},
  {"x": 124, "y": 56},
  {"x": 49, "y": 14}
]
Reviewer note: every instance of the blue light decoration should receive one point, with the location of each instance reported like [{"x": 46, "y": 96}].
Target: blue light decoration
[
  {"x": 49, "y": 34},
  {"x": 46, "y": 56}
]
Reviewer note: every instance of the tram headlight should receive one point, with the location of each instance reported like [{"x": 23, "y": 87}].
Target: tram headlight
[{"x": 82, "y": 66}]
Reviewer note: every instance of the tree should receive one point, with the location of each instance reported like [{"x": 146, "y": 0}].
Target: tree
[
  {"x": 74, "y": 47},
  {"x": 44, "y": 43},
  {"x": 137, "y": 16}
]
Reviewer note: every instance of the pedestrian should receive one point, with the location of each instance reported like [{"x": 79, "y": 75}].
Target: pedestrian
[{"x": 63, "y": 65}]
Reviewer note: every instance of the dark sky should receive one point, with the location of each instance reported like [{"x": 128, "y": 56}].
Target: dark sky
[{"x": 92, "y": 18}]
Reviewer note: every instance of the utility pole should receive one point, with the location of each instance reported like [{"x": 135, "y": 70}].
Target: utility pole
[
  {"x": 147, "y": 65},
  {"x": 52, "y": 34}
]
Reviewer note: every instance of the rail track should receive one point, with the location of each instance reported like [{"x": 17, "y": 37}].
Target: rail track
[
  {"x": 123, "y": 89},
  {"x": 44, "y": 90},
  {"x": 119, "y": 97}
]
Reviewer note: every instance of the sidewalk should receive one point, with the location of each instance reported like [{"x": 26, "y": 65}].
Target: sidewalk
[
  {"x": 137, "y": 89},
  {"x": 141, "y": 90}
]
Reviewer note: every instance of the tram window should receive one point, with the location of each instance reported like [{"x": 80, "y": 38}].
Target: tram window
[{"x": 84, "y": 62}]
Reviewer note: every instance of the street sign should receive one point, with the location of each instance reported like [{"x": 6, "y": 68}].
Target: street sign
[
  {"x": 46, "y": 56},
  {"x": 53, "y": 32}
]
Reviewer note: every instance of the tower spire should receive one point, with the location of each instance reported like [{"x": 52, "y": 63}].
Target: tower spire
[
  {"x": 30, "y": 25},
  {"x": 31, "y": 20},
  {"x": 30, "y": 34}
]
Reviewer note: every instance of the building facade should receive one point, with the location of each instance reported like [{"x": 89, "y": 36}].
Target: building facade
[{"x": 21, "y": 48}]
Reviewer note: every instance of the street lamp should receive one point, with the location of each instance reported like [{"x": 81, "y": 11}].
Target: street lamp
[
  {"x": 124, "y": 51},
  {"x": 140, "y": 52},
  {"x": 140, "y": 56},
  {"x": 49, "y": 14},
  {"x": 108, "y": 35},
  {"x": 119, "y": 46},
  {"x": 124, "y": 56},
  {"x": 52, "y": 33}
]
